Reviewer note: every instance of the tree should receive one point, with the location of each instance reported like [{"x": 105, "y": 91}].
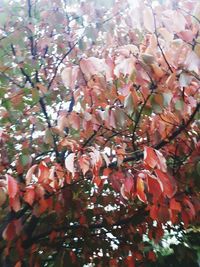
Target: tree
[{"x": 99, "y": 130}]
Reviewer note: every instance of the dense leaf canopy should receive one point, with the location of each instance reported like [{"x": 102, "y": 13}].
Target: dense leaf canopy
[{"x": 99, "y": 131}]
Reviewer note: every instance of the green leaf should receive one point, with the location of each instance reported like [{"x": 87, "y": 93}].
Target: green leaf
[
  {"x": 179, "y": 105},
  {"x": 128, "y": 104},
  {"x": 24, "y": 159}
]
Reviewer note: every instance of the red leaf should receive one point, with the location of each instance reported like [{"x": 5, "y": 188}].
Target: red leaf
[
  {"x": 113, "y": 263},
  {"x": 43, "y": 172},
  {"x": 43, "y": 205},
  {"x": 84, "y": 163},
  {"x": 152, "y": 256},
  {"x": 168, "y": 184},
  {"x": 18, "y": 264},
  {"x": 163, "y": 214},
  {"x": 12, "y": 186},
  {"x": 154, "y": 187},
  {"x": 10, "y": 232},
  {"x": 97, "y": 180},
  {"x": 174, "y": 205},
  {"x": 130, "y": 261},
  {"x": 82, "y": 220},
  {"x": 129, "y": 184},
  {"x": 29, "y": 195},
  {"x": 29, "y": 174},
  {"x": 161, "y": 161},
  {"x": 185, "y": 218},
  {"x": 154, "y": 212},
  {"x": 153, "y": 158},
  {"x": 140, "y": 190},
  {"x": 15, "y": 203},
  {"x": 150, "y": 157},
  {"x": 189, "y": 208}
]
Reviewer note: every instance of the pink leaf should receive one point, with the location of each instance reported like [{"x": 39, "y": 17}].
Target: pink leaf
[
  {"x": 29, "y": 174},
  {"x": 29, "y": 195},
  {"x": 129, "y": 184},
  {"x": 69, "y": 76},
  {"x": 148, "y": 19},
  {"x": 43, "y": 172},
  {"x": 150, "y": 157},
  {"x": 161, "y": 161},
  {"x": 84, "y": 163},
  {"x": 91, "y": 66},
  {"x": 12, "y": 186},
  {"x": 69, "y": 163},
  {"x": 169, "y": 187},
  {"x": 15, "y": 203}
]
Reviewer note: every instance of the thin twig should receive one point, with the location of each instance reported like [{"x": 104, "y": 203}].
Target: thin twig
[{"x": 156, "y": 34}]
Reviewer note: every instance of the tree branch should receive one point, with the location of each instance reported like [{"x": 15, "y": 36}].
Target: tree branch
[
  {"x": 60, "y": 62},
  {"x": 138, "y": 120},
  {"x": 135, "y": 219},
  {"x": 139, "y": 154},
  {"x": 156, "y": 34}
]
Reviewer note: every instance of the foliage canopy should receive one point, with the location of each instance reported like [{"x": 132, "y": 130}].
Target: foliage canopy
[{"x": 99, "y": 132}]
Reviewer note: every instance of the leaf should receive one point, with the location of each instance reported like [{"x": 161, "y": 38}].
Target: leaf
[
  {"x": 69, "y": 76},
  {"x": 12, "y": 186},
  {"x": 147, "y": 58},
  {"x": 167, "y": 99},
  {"x": 9, "y": 232},
  {"x": 148, "y": 19},
  {"x": 140, "y": 190},
  {"x": 43, "y": 173},
  {"x": 192, "y": 62},
  {"x": 161, "y": 161},
  {"x": 97, "y": 180},
  {"x": 18, "y": 264},
  {"x": 152, "y": 256},
  {"x": 3, "y": 196},
  {"x": 168, "y": 36},
  {"x": 158, "y": 72},
  {"x": 150, "y": 157},
  {"x": 128, "y": 103},
  {"x": 91, "y": 66},
  {"x": 43, "y": 205},
  {"x": 84, "y": 163},
  {"x": 48, "y": 137},
  {"x": 66, "y": 76},
  {"x": 154, "y": 187},
  {"x": 174, "y": 205},
  {"x": 179, "y": 105},
  {"x": 163, "y": 214},
  {"x": 15, "y": 203},
  {"x": 124, "y": 66},
  {"x": 130, "y": 262},
  {"x": 42, "y": 88},
  {"x": 112, "y": 117},
  {"x": 189, "y": 208},
  {"x": 179, "y": 22},
  {"x": 30, "y": 173},
  {"x": 69, "y": 163},
  {"x": 169, "y": 187},
  {"x": 29, "y": 195},
  {"x": 129, "y": 184},
  {"x": 154, "y": 212}
]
